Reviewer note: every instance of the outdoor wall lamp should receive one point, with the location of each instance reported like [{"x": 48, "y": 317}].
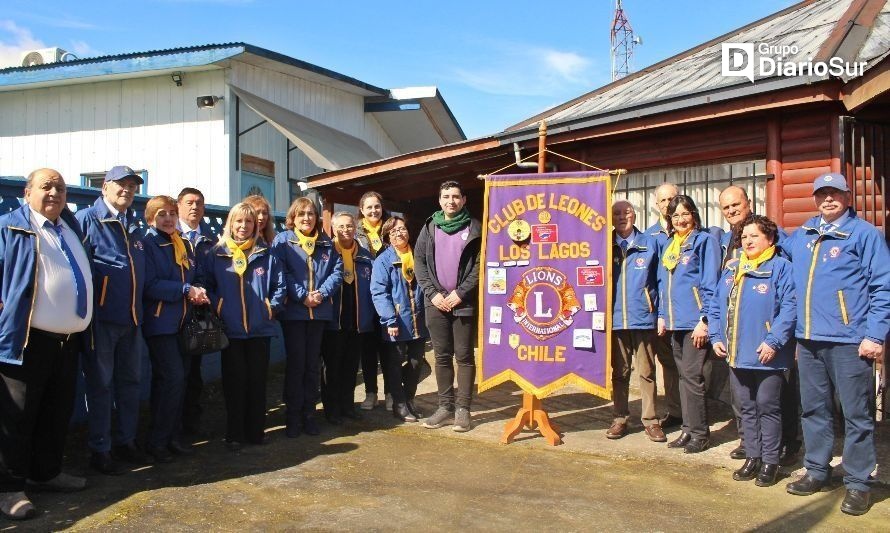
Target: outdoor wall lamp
[
  {"x": 177, "y": 78},
  {"x": 208, "y": 101}
]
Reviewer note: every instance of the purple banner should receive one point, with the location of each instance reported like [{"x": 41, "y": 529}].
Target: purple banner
[{"x": 545, "y": 296}]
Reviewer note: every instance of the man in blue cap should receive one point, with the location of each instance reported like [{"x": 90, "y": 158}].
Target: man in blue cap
[
  {"x": 112, "y": 370},
  {"x": 842, "y": 278}
]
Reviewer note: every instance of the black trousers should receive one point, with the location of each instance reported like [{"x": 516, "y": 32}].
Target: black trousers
[
  {"x": 373, "y": 351},
  {"x": 191, "y": 405},
  {"x": 403, "y": 367},
  {"x": 36, "y": 402},
  {"x": 341, "y": 352},
  {"x": 302, "y": 342},
  {"x": 690, "y": 364},
  {"x": 452, "y": 338},
  {"x": 245, "y": 365},
  {"x": 168, "y": 379}
]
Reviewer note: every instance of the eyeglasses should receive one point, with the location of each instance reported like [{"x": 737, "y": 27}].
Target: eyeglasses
[
  {"x": 396, "y": 231},
  {"x": 678, "y": 216}
]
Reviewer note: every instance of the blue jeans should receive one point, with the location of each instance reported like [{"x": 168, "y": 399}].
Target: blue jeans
[
  {"x": 112, "y": 373},
  {"x": 168, "y": 378},
  {"x": 826, "y": 367}
]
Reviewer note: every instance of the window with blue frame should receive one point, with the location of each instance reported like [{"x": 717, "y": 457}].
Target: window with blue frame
[{"x": 95, "y": 179}]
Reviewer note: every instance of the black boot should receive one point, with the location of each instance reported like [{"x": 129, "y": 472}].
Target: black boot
[
  {"x": 400, "y": 411},
  {"x": 748, "y": 471},
  {"x": 767, "y": 475}
]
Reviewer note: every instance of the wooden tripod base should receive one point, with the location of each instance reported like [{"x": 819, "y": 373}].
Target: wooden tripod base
[{"x": 533, "y": 416}]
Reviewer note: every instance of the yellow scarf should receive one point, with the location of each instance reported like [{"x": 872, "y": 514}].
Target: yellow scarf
[
  {"x": 749, "y": 265},
  {"x": 672, "y": 253},
  {"x": 180, "y": 255},
  {"x": 239, "y": 260},
  {"x": 373, "y": 233},
  {"x": 348, "y": 260},
  {"x": 407, "y": 259},
  {"x": 307, "y": 243}
]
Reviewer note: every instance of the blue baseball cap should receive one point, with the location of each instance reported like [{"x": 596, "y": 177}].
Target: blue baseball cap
[
  {"x": 122, "y": 171},
  {"x": 831, "y": 179}
]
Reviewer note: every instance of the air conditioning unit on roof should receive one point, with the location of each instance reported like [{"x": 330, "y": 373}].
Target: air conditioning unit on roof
[{"x": 45, "y": 56}]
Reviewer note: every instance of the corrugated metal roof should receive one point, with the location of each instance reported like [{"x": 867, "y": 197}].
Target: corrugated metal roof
[
  {"x": 808, "y": 27},
  {"x": 877, "y": 44}
]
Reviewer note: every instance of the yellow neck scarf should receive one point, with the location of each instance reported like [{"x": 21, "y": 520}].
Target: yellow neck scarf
[
  {"x": 239, "y": 260},
  {"x": 348, "y": 260},
  {"x": 373, "y": 233},
  {"x": 672, "y": 253},
  {"x": 179, "y": 252},
  {"x": 307, "y": 243},
  {"x": 407, "y": 259},
  {"x": 749, "y": 265}
]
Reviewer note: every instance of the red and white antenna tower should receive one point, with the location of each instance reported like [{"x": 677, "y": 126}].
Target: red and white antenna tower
[{"x": 623, "y": 43}]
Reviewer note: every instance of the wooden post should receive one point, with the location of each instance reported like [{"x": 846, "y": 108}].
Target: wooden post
[{"x": 532, "y": 414}]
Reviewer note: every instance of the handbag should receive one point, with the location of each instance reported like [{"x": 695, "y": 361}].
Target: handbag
[{"x": 203, "y": 332}]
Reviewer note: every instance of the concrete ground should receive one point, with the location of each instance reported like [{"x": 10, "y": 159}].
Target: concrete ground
[{"x": 379, "y": 474}]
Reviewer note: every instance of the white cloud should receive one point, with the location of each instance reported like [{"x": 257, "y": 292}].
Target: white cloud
[
  {"x": 82, "y": 49},
  {"x": 523, "y": 70},
  {"x": 13, "y": 41}
]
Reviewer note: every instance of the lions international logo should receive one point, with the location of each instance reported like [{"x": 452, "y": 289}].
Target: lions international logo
[
  {"x": 685, "y": 259},
  {"x": 259, "y": 271},
  {"x": 239, "y": 263},
  {"x": 640, "y": 262},
  {"x": 366, "y": 273},
  {"x": 834, "y": 252},
  {"x": 410, "y": 272},
  {"x": 325, "y": 256},
  {"x": 543, "y": 302},
  {"x": 138, "y": 244},
  {"x": 761, "y": 288},
  {"x": 348, "y": 275}
]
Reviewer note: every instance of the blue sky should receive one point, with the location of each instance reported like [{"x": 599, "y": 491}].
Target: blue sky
[{"x": 496, "y": 63}]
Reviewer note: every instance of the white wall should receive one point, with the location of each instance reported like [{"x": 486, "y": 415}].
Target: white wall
[
  {"x": 333, "y": 107},
  {"x": 144, "y": 123}
]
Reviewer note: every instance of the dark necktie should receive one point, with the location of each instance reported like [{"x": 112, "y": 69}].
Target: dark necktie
[
  {"x": 623, "y": 246},
  {"x": 80, "y": 285}
]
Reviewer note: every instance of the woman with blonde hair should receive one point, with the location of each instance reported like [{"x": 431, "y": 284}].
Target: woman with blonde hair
[
  {"x": 265, "y": 223},
  {"x": 313, "y": 271},
  {"x": 245, "y": 283},
  {"x": 169, "y": 272}
]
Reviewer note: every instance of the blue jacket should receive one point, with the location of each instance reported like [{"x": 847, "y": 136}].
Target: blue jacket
[
  {"x": 398, "y": 302},
  {"x": 165, "y": 305},
  {"x": 635, "y": 284},
  {"x": 686, "y": 293},
  {"x": 327, "y": 275},
  {"x": 842, "y": 280},
  {"x": 246, "y": 304},
  {"x": 118, "y": 264},
  {"x": 766, "y": 310},
  {"x": 360, "y": 291},
  {"x": 18, "y": 267},
  {"x": 205, "y": 241},
  {"x": 659, "y": 235}
]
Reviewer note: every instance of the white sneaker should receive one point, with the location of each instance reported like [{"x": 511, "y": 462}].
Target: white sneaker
[
  {"x": 369, "y": 402},
  {"x": 388, "y": 401}
]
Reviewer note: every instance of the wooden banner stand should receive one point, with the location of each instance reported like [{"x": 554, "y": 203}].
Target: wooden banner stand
[{"x": 532, "y": 415}]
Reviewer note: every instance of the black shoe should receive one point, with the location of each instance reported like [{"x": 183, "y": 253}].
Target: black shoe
[
  {"x": 680, "y": 441},
  {"x": 767, "y": 475},
  {"x": 310, "y": 426},
  {"x": 412, "y": 408},
  {"x": 697, "y": 445},
  {"x": 178, "y": 448},
  {"x": 738, "y": 453},
  {"x": 293, "y": 430},
  {"x": 400, "y": 411},
  {"x": 130, "y": 453},
  {"x": 160, "y": 454},
  {"x": 351, "y": 414},
  {"x": 805, "y": 486},
  {"x": 856, "y": 502},
  {"x": 102, "y": 462},
  {"x": 788, "y": 456},
  {"x": 748, "y": 471},
  {"x": 671, "y": 421}
]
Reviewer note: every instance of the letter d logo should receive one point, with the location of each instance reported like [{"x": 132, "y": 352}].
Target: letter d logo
[{"x": 737, "y": 60}]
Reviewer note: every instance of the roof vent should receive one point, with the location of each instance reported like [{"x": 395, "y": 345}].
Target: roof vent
[{"x": 45, "y": 56}]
